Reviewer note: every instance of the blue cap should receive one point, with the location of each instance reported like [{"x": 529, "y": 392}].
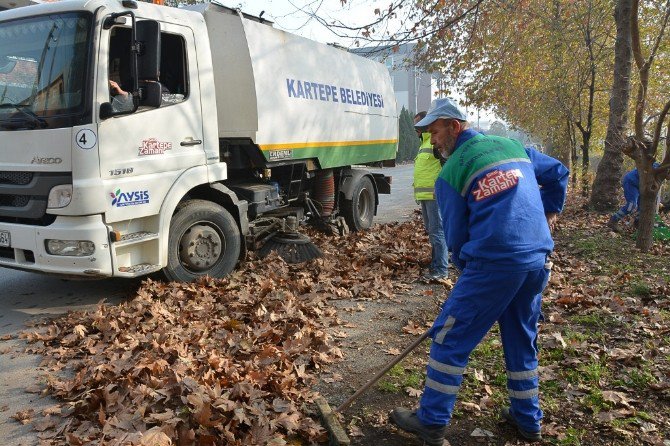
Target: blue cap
[{"x": 442, "y": 108}]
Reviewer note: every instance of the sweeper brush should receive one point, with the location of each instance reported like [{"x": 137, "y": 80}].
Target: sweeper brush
[
  {"x": 281, "y": 236},
  {"x": 293, "y": 247}
]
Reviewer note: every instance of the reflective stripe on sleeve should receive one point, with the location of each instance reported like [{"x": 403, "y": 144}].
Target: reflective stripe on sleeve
[
  {"x": 442, "y": 388},
  {"x": 526, "y": 374},
  {"x": 523, "y": 394},
  {"x": 424, "y": 189},
  {"x": 445, "y": 368}
]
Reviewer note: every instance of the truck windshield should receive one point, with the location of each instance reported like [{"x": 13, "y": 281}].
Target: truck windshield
[{"x": 43, "y": 69}]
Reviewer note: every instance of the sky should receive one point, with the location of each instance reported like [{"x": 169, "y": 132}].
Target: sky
[{"x": 293, "y": 16}]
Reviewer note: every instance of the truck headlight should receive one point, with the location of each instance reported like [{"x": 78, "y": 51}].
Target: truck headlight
[
  {"x": 60, "y": 196},
  {"x": 73, "y": 248}
]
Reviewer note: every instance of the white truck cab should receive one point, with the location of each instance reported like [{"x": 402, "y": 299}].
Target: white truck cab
[{"x": 136, "y": 138}]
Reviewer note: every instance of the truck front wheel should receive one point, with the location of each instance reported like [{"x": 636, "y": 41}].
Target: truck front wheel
[
  {"x": 360, "y": 210},
  {"x": 204, "y": 240}
]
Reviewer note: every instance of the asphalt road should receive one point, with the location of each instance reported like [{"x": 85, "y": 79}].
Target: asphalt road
[
  {"x": 28, "y": 297},
  {"x": 400, "y": 204}
]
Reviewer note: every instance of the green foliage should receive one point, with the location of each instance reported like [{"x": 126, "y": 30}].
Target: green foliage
[
  {"x": 399, "y": 377},
  {"x": 498, "y": 129},
  {"x": 542, "y": 66},
  {"x": 572, "y": 437},
  {"x": 640, "y": 289},
  {"x": 408, "y": 142},
  {"x": 639, "y": 378},
  {"x": 595, "y": 401}
]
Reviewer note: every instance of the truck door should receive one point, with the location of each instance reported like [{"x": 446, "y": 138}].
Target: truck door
[{"x": 142, "y": 153}]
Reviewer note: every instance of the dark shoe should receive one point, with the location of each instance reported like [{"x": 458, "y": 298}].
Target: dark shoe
[
  {"x": 613, "y": 225},
  {"x": 526, "y": 435},
  {"x": 406, "y": 420}
]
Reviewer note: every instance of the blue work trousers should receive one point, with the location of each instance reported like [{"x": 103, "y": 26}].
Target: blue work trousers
[
  {"x": 433, "y": 223},
  {"x": 632, "y": 195},
  {"x": 478, "y": 300}
]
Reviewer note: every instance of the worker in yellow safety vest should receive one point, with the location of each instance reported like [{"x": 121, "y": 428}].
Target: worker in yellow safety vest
[{"x": 427, "y": 166}]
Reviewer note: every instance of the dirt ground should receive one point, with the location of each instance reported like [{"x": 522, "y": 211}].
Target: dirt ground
[
  {"x": 373, "y": 329},
  {"x": 605, "y": 297}
]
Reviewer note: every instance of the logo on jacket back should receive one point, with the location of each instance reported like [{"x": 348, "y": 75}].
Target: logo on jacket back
[
  {"x": 495, "y": 182},
  {"x": 121, "y": 199}
]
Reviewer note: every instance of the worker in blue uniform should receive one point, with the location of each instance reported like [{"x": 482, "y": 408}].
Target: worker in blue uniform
[
  {"x": 498, "y": 201},
  {"x": 631, "y": 192}
]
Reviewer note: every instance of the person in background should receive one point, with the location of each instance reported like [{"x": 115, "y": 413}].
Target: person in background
[
  {"x": 427, "y": 167},
  {"x": 498, "y": 201},
  {"x": 122, "y": 101},
  {"x": 631, "y": 192}
]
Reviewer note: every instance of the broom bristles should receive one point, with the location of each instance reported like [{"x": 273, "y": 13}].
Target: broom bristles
[{"x": 292, "y": 249}]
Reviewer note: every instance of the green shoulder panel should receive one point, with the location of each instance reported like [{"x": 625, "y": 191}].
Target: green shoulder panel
[{"x": 478, "y": 154}]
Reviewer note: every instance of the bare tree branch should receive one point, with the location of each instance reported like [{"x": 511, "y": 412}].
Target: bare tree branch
[
  {"x": 654, "y": 49},
  {"x": 659, "y": 126},
  {"x": 635, "y": 34},
  {"x": 411, "y": 35}
]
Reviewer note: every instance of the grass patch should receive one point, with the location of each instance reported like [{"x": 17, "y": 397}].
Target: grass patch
[
  {"x": 595, "y": 401},
  {"x": 639, "y": 378},
  {"x": 589, "y": 374},
  {"x": 549, "y": 355},
  {"x": 552, "y": 392},
  {"x": 573, "y": 437},
  {"x": 594, "y": 319},
  {"x": 500, "y": 380},
  {"x": 489, "y": 348},
  {"x": 587, "y": 247},
  {"x": 640, "y": 289},
  {"x": 399, "y": 377}
]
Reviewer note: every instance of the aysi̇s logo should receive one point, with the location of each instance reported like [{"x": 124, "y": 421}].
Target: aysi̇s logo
[{"x": 121, "y": 199}]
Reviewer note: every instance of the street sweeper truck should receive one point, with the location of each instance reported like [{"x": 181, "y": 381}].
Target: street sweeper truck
[{"x": 137, "y": 138}]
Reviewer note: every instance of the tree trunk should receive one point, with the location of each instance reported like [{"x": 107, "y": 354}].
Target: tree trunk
[
  {"x": 645, "y": 226},
  {"x": 573, "y": 153},
  {"x": 585, "y": 165},
  {"x": 606, "y": 189},
  {"x": 649, "y": 186}
]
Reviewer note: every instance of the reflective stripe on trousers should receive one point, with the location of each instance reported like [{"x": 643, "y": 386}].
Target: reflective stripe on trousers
[{"x": 479, "y": 299}]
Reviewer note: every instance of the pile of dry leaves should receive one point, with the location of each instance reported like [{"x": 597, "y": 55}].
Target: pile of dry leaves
[{"x": 219, "y": 361}]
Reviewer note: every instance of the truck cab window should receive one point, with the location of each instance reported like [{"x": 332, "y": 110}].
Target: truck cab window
[
  {"x": 43, "y": 66},
  {"x": 120, "y": 80},
  {"x": 173, "y": 69}
]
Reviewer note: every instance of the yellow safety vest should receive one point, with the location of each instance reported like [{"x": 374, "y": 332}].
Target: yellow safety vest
[{"x": 426, "y": 170}]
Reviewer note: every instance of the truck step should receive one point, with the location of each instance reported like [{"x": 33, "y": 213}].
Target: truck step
[
  {"x": 136, "y": 237},
  {"x": 138, "y": 270}
]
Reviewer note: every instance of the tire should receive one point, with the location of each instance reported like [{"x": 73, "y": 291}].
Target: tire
[
  {"x": 204, "y": 240},
  {"x": 360, "y": 210}
]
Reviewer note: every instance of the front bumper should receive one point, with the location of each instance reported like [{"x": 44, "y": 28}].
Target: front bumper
[{"x": 27, "y": 250}]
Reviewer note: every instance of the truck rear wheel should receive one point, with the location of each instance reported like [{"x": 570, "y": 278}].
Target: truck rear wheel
[
  {"x": 204, "y": 240},
  {"x": 360, "y": 210}
]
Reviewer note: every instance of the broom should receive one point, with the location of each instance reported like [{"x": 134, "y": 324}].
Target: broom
[{"x": 293, "y": 247}]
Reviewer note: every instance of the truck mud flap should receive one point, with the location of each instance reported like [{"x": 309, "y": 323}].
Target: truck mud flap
[{"x": 382, "y": 183}]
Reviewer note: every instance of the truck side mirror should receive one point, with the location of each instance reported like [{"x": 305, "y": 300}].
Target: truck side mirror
[
  {"x": 106, "y": 110},
  {"x": 149, "y": 59},
  {"x": 151, "y": 94}
]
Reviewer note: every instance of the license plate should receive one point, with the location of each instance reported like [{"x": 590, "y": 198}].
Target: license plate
[{"x": 5, "y": 239}]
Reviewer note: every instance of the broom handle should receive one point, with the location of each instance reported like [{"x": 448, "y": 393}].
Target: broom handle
[{"x": 382, "y": 372}]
